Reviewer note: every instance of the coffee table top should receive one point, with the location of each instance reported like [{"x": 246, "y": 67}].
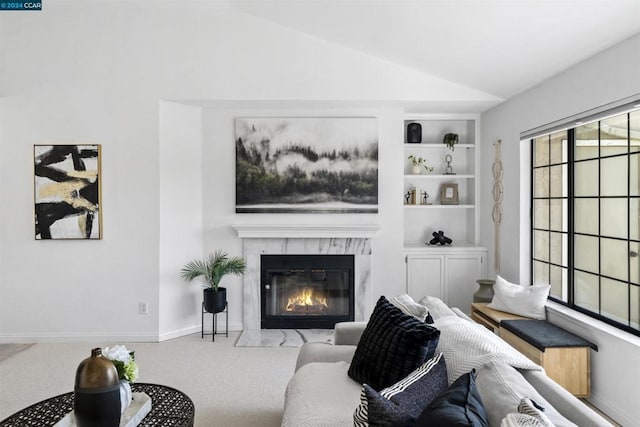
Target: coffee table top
[{"x": 169, "y": 407}]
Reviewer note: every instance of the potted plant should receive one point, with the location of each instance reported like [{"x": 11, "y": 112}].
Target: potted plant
[
  {"x": 213, "y": 269},
  {"x": 450, "y": 140},
  {"x": 416, "y": 162}
]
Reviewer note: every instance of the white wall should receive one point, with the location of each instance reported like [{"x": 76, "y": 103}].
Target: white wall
[
  {"x": 97, "y": 72},
  {"x": 607, "y": 77}
]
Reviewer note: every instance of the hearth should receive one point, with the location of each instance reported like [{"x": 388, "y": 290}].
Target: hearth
[{"x": 306, "y": 291}]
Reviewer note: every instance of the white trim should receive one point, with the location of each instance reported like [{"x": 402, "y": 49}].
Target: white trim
[
  {"x": 196, "y": 329},
  {"x": 271, "y": 231}
]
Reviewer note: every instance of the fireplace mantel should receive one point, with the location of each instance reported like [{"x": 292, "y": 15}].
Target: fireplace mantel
[{"x": 268, "y": 231}]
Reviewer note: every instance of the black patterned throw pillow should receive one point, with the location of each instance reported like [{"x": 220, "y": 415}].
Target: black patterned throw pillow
[{"x": 392, "y": 345}]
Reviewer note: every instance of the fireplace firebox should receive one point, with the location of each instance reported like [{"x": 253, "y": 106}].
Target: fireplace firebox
[{"x": 306, "y": 291}]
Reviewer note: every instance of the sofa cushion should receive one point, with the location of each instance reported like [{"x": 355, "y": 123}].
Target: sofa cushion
[
  {"x": 467, "y": 345},
  {"x": 402, "y": 403},
  {"x": 528, "y": 301},
  {"x": 460, "y": 405},
  {"x": 392, "y": 345},
  {"x": 502, "y": 388},
  {"x": 321, "y": 394}
]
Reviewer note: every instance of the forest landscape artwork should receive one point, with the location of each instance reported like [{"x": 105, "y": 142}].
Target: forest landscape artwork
[
  {"x": 67, "y": 192},
  {"x": 306, "y": 165}
]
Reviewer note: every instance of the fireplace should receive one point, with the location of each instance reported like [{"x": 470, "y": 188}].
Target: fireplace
[{"x": 306, "y": 291}]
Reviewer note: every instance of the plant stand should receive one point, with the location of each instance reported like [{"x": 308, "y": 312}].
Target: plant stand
[{"x": 214, "y": 325}]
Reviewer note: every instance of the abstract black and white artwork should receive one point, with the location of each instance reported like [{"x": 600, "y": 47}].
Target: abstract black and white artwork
[
  {"x": 67, "y": 191},
  {"x": 306, "y": 165}
]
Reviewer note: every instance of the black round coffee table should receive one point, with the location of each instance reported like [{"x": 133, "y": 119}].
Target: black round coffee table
[{"x": 169, "y": 407}]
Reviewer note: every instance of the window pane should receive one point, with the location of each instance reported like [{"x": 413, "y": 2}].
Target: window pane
[
  {"x": 558, "y": 148},
  {"x": 541, "y": 213},
  {"x": 586, "y": 291},
  {"x": 613, "y": 135},
  {"x": 634, "y": 175},
  {"x": 634, "y": 215},
  {"x": 558, "y": 175},
  {"x": 540, "y": 273},
  {"x": 614, "y": 217},
  {"x": 541, "y": 245},
  {"x": 614, "y": 258},
  {"x": 614, "y": 176},
  {"x": 586, "y": 178},
  {"x": 586, "y": 253},
  {"x": 586, "y": 146},
  {"x": 558, "y": 282},
  {"x": 586, "y": 216},
  {"x": 615, "y": 300},
  {"x": 558, "y": 215},
  {"x": 541, "y": 182},
  {"x": 634, "y": 262},
  {"x": 541, "y": 151},
  {"x": 558, "y": 248},
  {"x": 635, "y": 307},
  {"x": 634, "y": 129}
]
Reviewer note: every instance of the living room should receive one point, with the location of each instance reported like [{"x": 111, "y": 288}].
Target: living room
[{"x": 158, "y": 86}]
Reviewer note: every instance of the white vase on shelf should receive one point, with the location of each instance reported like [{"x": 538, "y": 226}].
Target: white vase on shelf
[{"x": 416, "y": 170}]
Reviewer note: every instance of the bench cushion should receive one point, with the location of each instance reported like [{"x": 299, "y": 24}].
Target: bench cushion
[{"x": 542, "y": 334}]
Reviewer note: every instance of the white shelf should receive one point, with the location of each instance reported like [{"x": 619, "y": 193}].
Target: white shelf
[
  {"x": 432, "y": 145},
  {"x": 440, "y": 176},
  {"x": 438, "y": 206}
]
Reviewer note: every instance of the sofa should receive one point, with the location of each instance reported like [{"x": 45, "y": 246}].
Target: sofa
[{"x": 321, "y": 392}]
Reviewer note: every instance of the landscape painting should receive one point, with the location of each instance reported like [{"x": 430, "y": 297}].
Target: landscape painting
[
  {"x": 67, "y": 191},
  {"x": 306, "y": 165}
]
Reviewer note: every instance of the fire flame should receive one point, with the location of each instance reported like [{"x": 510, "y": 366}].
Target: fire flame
[{"x": 306, "y": 299}]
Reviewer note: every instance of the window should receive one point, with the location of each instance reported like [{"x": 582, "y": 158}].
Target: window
[{"x": 585, "y": 230}]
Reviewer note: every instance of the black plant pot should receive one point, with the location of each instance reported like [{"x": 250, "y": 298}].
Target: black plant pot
[{"x": 214, "y": 302}]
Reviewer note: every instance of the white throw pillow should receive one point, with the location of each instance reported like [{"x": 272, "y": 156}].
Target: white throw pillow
[
  {"x": 437, "y": 308},
  {"x": 408, "y": 306},
  {"x": 528, "y": 415},
  {"x": 528, "y": 301}
]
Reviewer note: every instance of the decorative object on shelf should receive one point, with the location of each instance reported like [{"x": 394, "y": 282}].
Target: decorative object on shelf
[
  {"x": 124, "y": 361},
  {"x": 496, "y": 213},
  {"x": 485, "y": 292},
  {"x": 67, "y": 192},
  {"x": 213, "y": 269},
  {"x": 414, "y": 133},
  {"x": 450, "y": 140},
  {"x": 298, "y": 164},
  {"x": 449, "y": 194},
  {"x": 407, "y": 198},
  {"x": 448, "y": 169},
  {"x": 440, "y": 239},
  {"x": 414, "y": 196},
  {"x": 416, "y": 163},
  {"x": 97, "y": 392},
  {"x": 425, "y": 198}
]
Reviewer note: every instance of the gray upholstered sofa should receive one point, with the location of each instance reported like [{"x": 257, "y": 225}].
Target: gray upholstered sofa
[{"x": 322, "y": 394}]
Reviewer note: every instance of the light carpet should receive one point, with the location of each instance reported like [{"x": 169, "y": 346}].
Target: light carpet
[{"x": 230, "y": 386}]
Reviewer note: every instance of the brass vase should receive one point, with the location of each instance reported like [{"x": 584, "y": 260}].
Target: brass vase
[{"x": 97, "y": 392}]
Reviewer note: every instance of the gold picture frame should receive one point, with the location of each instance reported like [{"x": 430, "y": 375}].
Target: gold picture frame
[{"x": 449, "y": 194}]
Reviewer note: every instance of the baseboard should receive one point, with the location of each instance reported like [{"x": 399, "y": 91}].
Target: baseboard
[
  {"x": 610, "y": 411},
  {"x": 78, "y": 337},
  {"x": 196, "y": 329}
]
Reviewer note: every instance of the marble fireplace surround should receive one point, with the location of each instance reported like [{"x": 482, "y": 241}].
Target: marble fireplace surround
[{"x": 279, "y": 239}]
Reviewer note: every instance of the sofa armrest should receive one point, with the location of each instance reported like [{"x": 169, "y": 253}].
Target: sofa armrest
[
  {"x": 348, "y": 333},
  {"x": 324, "y": 352}
]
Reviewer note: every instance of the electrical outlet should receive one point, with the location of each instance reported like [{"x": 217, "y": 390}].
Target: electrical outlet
[{"x": 143, "y": 307}]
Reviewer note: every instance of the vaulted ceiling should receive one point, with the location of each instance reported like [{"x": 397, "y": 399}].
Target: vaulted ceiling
[{"x": 501, "y": 47}]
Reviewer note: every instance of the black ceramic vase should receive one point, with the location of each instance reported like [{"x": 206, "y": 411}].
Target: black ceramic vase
[
  {"x": 214, "y": 302},
  {"x": 97, "y": 392}
]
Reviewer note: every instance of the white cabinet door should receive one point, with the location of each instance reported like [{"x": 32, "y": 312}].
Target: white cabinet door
[
  {"x": 462, "y": 271},
  {"x": 425, "y": 275}
]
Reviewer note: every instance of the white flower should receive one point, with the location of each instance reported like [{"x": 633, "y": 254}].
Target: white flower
[{"x": 117, "y": 352}]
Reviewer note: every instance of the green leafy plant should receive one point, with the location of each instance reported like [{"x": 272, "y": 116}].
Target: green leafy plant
[
  {"x": 450, "y": 140},
  {"x": 419, "y": 161},
  {"x": 213, "y": 268}
]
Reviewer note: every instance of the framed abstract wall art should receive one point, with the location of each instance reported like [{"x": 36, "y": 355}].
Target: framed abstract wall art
[
  {"x": 306, "y": 165},
  {"x": 67, "y": 192}
]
